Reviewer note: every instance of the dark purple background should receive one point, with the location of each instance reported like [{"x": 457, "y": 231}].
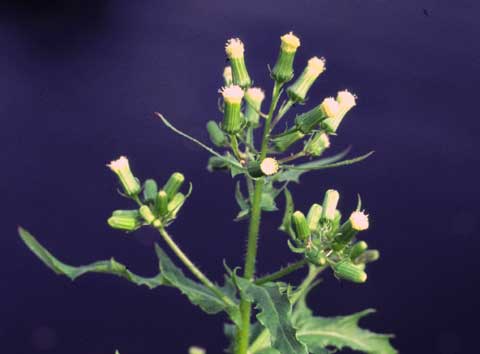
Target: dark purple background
[{"x": 79, "y": 82}]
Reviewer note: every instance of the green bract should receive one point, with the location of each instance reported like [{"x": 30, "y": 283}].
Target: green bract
[{"x": 265, "y": 315}]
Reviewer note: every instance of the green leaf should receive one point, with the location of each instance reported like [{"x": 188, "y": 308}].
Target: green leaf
[
  {"x": 293, "y": 172},
  {"x": 241, "y": 200},
  {"x": 275, "y": 315},
  {"x": 197, "y": 293},
  {"x": 286, "y": 225},
  {"x": 108, "y": 266},
  {"x": 340, "y": 332}
]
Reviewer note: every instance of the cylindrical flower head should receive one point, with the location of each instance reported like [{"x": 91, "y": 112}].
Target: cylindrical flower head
[
  {"x": 315, "y": 256},
  {"x": 217, "y": 136},
  {"x": 358, "y": 221},
  {"x": 368, "y": 257},
  {"x": 346, "y": 101},
  {"x": 254, "y": 97},
  {"x": 235, "y": 52},
  {"x": 149, "y": 190},
  {"x": 267, "y": 167},
  {"x": 121, "y": 168},
  {"x": 357, "y": 250},
  {"x": 330, "y": 202},
  {"x": 349, "y": 271},
  {"x": 317, "y": 145},
  {"x": 147, "y": 214},
  {"x": 173, "y": 184},
  {"x": 196, "y": 350},
  {"x": 161, "y": 203},
  {"x": 298, "y": 90},
  {"x": 127, "y": 220},
  {"x": 232, "y": 118},
  {"x": 313, "y": 216},
  {"x": 301, "y": 226},
  {"x": 283, "y": 69},
  {"x": 227, "y": 76},
  {"x": 175, "y": 204},
  {"x": 284, "y": 141}
]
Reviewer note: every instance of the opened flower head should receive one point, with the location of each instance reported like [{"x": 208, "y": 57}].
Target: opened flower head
[
  {"x": 359, "y": 220},
  {"x": 234, "y": 48},
  {"x": 346, "y": 100},
  {"x": 232, "y": 94},
  {"x": 316, "y": 66},
  {"x": 269, "y": 166},
  {"x": 290, "y": 42},
  {"x": 330, "y": 107},
  {"x": 119, "y": 165}
]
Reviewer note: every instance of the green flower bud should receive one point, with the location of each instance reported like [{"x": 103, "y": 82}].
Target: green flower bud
[
  {"x": 217, "y": 136},
  {"x": 254, "y": 97},
  {"x": 301, "y": 226},
  {"x": 358, "y": 221},
  {"x": 315, "y": 256},
  {"x": 232, "y": 118},
  {"x": 175, "y": 204},
  {"x": 149, "y": 190},
  {"x": 317, "y": 144},
  {"x": 227, "y": 76},
  {"x": 235, "y": 53},
  {"x": 283, "y": 69},
  {"x": 330, "y": 203},
  {"x": 121, "y": 168},
  {"x": 173, "y": 184},
  {"x": 128, "y": 220},
  {"x": 196, "y": 350},
  {"x": 346, "y": 101},
  {"x": 313, "y": 216},
  {"x": 298, "y": 90},
  {"x": 161, "y": 203},
  {"x": 283, "y": 141},
  {"x": 147, "y": 214},
  {"x": 268, "y": 167},
  {"x": 216, "y": 163},
  {"x": 368, "y": 257},
  {"x": 349, "y": 271},
  {"x": 357, "y": 250}
]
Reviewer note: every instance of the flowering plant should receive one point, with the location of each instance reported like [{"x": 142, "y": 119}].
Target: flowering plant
[{"x": 321, "y": 238}]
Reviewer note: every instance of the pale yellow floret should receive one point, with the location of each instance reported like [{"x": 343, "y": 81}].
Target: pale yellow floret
[
  {"x": 269, "y": 166},
  {"x": 359, "y": 221},
  {"x": 120, "y": 164},
  {"x": 227, "y": 74},
  {"x": 346, "y": 100},
  {"x": 234, "y": 48},
  {"x": 255, "y": 94},
  {"x": 232, "y": 94},
  {"x": 290, "y": 42},
  {"x": 330, "y": 107},
  {"x": 196, "y": 350},
  {"x": 332, "y": 196},
  {"x": 325, "y": 140},
  {"x": 316, "y": 66}
]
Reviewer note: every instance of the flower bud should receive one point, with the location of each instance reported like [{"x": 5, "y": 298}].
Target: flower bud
[
  {"x": 217, "y": 136},
  {"x": 349, "y": 271},
  {"x": 161, "y": 203},
  {"x": 330, "y": 203},
  {"x": 283, "y": 141},
  {"x": 235, "y": 53},
  {"x": 147, "y": 214},
  {"x": 216, "y": 163},
  {"x": 357, "y": 250},
  {"x": 298, "y": 90},
  {"x": 283, "y": 69},
  {"x": 307, "y": 121},
  {"x": 346, "y": 101},
  {"x": 196, "y": 350},
  {"x": 227, "y": 76},
  {"x": 317, "y": 145},
  {"x": 121, "y": 168},
  {"x": 368, "y": 257},
  {"x": 175, "y": 204},
  {"x": 301, "y": 227},
  {"x": 313, "y": 216},
  {"x": 232, "y": 119},
  {"x": 149, "y": 190},
  {"x": 173, "y": 184},
  {"x": 358, "y": 221},
  {"x": 315, "y": 256},
  {"x": 128, "y": 220},
  {"x": 254, "y": 97}
]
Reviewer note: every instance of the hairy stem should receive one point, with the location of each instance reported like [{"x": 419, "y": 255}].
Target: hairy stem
[
  {"x": 193, "y": 268},
  {"x": 282, "y": 272},
  {"x": 243, "y": 333}
]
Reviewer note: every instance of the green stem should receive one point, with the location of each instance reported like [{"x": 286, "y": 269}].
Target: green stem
[
  {"x": 292, "y": 157},
  {"x": 282, "y": 272},
  {"x": 235, "y": 148},
  {"x": 243, "y": 333},
  {"x": 193, "y": 268},
  {"x": 282, "y": 112}
]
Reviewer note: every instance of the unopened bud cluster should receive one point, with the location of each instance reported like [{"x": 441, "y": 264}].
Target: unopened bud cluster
[{"x": 157, "y": 207}]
